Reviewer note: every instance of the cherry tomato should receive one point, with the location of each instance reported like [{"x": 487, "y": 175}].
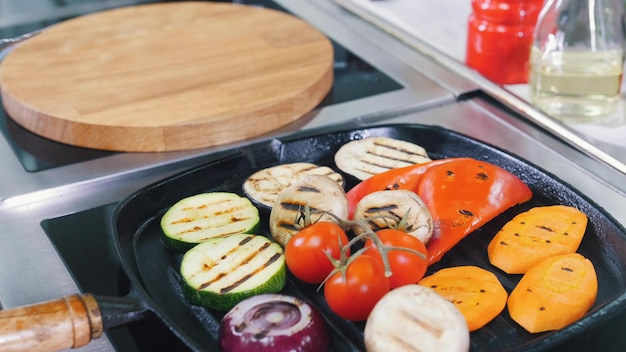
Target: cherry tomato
[
  {"x": 406, "y": 267},
  {"x": 304, "y": 253},
  {"x": 354, "y": 296}
]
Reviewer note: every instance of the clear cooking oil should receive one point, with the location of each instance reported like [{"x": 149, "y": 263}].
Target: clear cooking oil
[
  {"x": 576, "y": 86},
  {"x": 577, "y": 59}
]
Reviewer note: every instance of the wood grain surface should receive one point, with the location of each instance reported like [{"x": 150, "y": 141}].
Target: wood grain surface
[
  {"x": 68, "y": 322},
  {"x": 167, "y": 76}
]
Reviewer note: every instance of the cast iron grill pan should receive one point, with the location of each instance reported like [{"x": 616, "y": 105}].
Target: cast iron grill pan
[{"x": 154, "y": 270}]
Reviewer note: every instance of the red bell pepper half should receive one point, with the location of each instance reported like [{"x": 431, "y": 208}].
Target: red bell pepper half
[
  {"x": 406, "y": 178},
  {"x": 462, "y": 195}
]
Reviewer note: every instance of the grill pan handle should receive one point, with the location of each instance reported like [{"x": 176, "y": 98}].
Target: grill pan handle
[{"x": 68, "y": 322}]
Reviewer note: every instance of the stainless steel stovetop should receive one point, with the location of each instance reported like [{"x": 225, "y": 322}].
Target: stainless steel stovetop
[{"x": 33, "y": 271}]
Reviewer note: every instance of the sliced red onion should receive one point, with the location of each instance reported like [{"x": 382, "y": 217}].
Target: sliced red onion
[{"x": 273, "y": 322}]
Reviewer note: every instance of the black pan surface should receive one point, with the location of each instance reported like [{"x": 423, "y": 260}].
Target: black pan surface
[{"x": 136, "y": 232}]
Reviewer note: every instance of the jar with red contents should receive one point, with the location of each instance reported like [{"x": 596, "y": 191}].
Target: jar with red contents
[{"x": 499, "y": 38}]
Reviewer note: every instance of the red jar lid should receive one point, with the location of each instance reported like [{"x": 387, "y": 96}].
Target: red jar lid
[{"x": 508, "y": 11}]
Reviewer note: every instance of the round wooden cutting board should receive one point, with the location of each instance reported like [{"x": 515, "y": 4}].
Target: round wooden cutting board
[{"x": 168, "y": 76}]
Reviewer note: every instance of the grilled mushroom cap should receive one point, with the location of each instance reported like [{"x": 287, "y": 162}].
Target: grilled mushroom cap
[
  {"x": 318, "y": 192},
  {"x": 393, "y": 206}
]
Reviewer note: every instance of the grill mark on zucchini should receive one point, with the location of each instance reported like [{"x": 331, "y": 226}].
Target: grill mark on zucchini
[
  {"x": 241, "y": 264},
  {"x": 221, "y": 272},
  {"x": 230, "y": 210},
  {"x": 198, "y": 228},
  {"x": 233, "y": 220},
  {"x": 245, "y": 240},
  {"x": 223, "y": 257},
  {"x": 206, "y": 205},
  {"x": 269, "y": 262},
  {"x": 181, "y": 221}
]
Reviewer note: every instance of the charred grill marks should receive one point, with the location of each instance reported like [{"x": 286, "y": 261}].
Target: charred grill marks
[
  {"x": 397, "y": 148},
  {"x": 399, "y": 158},
  {"x": 388, "y": 157},
  {"x": 481, "y": 176},
  {"x": 269, "y": 262},
  {"x": 295, "y": 207},
  {"x": 307, "y": 189},
  {"x": 385, "y": 208},
  {"x": 242, "y": 264},
  {"x": 466, "y": 212},
  {"x": 245, "y": 240}
]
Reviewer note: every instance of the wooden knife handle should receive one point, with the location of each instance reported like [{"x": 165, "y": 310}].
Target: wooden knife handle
[{"x": 69, "y": 322}]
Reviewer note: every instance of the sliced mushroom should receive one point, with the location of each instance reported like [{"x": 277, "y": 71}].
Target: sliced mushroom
[
  {"x": 385, "y": 209},
  {"x": 315, "y": 191}
]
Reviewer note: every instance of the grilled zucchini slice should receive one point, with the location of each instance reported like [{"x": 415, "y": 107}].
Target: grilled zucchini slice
[
  {"x": 221, "y": 272},
  {"x": 265, "y": 185},
  {"x": 366, "y": 157},
  {"x": 195, "y": 219}
]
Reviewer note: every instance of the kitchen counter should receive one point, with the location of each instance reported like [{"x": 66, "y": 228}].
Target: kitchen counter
[{"x": 432, "y": 94}]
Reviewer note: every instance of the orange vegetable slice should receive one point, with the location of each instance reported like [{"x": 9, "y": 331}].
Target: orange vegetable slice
[
  {"x": 476, "y": 292},
  {"x": 555, "y": 293},
  {"x": 532, "y": 236}
]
